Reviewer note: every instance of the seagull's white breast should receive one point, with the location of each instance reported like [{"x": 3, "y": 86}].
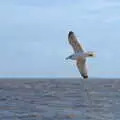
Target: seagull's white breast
[{"x": 78, "y": 55}]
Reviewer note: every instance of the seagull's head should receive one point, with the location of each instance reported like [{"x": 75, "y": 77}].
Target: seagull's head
[{"x": 90, "y": 54}]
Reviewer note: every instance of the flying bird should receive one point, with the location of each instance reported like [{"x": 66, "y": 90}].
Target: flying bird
[{"x": 79, "y": 55}]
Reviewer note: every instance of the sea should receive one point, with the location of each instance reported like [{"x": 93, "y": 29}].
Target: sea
[{"x": 59, "y": 99}]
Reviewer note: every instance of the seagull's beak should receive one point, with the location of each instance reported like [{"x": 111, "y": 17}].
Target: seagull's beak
[{"x": 94, "y": 54}]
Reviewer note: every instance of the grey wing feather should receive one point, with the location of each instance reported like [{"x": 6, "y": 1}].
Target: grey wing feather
[
  {"x": 74, "y": 42},
  {"x": 82, "y": 67}
]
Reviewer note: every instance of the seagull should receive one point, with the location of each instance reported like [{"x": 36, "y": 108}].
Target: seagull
[{"x": 79, "y": 55}]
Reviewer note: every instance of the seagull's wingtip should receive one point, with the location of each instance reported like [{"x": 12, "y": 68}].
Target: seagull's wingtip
[
  {"x": 70, "y": 33},
  {"x": 85, "y": 76}
]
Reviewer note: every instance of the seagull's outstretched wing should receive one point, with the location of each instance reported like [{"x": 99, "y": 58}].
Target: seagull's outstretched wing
[
  {"x": 81, "y": 64},
  {"x": 74, "y": 42}
]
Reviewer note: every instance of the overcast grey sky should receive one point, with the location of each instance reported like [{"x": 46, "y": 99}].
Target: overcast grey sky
[{"x": 33, "y": 37}]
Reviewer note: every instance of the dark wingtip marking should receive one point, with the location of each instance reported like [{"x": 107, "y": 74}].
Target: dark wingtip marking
[
  {"x": 70, "y": 33},
  {"x": 85, "y": 76}
]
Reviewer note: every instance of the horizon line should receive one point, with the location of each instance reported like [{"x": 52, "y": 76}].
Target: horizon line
[{"x": 53, "y": 78}]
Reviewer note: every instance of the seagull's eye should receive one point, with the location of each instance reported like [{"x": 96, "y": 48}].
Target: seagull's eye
[{"x": 90, "y": 54}]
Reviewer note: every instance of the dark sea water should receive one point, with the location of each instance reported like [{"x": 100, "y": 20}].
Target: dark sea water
[{"x": 71, "y": 99}]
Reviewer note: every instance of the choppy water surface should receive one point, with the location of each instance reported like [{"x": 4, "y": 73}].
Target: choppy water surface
[{"x": 60, "y": 99}]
